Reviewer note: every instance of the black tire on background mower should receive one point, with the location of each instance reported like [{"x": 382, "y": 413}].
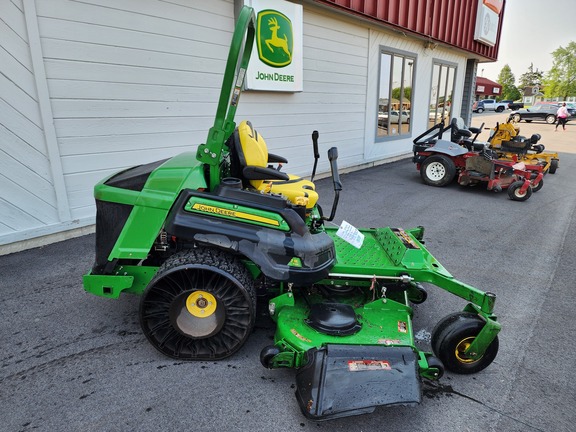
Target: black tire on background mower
[
  {"x": 539, "y": 186},
  {"x": 437, "y": 170},
  {"x": 453, "y": 335},
  {"x": 201, "y": 305},
  {"x": 553, "y": 166},
  {"x": 515, "y": 194}
]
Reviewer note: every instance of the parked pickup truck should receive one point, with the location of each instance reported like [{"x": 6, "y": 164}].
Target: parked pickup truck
[
  {"x": 492, "y": 105},
  {"x": 514, "y": 106}
]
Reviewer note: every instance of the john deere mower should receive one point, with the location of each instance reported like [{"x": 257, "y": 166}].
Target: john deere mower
[{"x": 200, "y": 235}]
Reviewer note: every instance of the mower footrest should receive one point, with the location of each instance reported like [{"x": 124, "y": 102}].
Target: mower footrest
[{"x": 346, "y": 380}]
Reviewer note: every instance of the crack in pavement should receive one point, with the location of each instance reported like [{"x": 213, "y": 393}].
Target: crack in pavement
[{"x": 437, "y": 388}]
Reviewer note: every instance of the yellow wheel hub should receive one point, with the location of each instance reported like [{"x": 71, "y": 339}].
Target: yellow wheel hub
[
  {"x": 201, "y": 304},
  {"x": 461, "y": 348}
]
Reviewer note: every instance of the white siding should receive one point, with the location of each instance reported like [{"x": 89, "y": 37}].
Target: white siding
[
  {"x": 133, "y": 81},
  {"x": 130, "y": 82},
  {"x": 333, "y": 100},
  {"x": 27, "y": 197}
]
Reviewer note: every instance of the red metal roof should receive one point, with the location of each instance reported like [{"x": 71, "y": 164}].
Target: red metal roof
[{"x": 450, "y": 22}]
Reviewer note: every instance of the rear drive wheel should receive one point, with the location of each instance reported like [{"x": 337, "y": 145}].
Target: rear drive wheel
[
  {"x": 516, "y": 118},
  {"x": 480, "y": 110},
  {"x": 500, "y": 109},
  {"x": 200, "y": 305},
  {"x": 553, "y": 166},
  {"x": 453, "y": 335},
  {"x": 515, "y": 194},
  {"x": 551, "y": 119},
  {"x": 438, "y": 170}
]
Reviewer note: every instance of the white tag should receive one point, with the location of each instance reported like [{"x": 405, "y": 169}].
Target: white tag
[
  {"x": 519, "y": 166},
  {"x": 350, "y": 234}
]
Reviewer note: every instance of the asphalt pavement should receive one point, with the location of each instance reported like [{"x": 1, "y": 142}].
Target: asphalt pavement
[{"x": 71, "y": 361}]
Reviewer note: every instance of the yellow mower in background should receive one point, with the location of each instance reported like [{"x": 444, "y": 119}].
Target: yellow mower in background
[{"x": 506, "y": 141}]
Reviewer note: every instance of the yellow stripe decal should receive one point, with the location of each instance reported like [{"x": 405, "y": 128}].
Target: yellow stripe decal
[{"x": 233, "y": 214}]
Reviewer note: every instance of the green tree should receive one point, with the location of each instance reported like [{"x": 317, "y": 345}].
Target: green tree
[
  {"x": 531, "y": 78},
  {"x": 407, "y": 93},
  {"x": 561, "y": 79},
  {"x": 506, "y": 79}
]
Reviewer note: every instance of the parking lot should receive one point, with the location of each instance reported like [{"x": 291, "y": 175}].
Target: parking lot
[{"x": 71, "y": 361}]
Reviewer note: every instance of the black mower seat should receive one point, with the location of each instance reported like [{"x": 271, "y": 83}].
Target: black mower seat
[{"x": 252, "y": 158}]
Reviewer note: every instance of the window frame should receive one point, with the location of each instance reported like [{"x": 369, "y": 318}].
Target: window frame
[
  {"x": 446, "y": 114},
  {"x": 408, "y": 59}
]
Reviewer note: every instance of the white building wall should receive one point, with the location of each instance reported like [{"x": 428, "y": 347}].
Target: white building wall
[
  {"x": 133, "y": 81},
  {"x": 27, "y": 196}
]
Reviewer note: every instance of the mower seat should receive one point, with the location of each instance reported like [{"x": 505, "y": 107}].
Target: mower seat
[{"x": 250, "y": 159}]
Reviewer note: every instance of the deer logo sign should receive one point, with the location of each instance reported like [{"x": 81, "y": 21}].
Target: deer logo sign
[{"x": 275, "y": 39}]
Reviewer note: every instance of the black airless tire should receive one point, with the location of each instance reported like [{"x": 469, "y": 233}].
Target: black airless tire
[
  {"x": 515, "y": 194},
  {"x": 553, "y": 166},
  {"x": 453, "y": 335},
  {"x": 201, "y": 305},
  {"x": 437, "y": 170}
]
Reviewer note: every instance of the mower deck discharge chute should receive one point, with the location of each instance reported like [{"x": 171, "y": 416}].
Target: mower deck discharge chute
[{"x": 200, "y": 236}]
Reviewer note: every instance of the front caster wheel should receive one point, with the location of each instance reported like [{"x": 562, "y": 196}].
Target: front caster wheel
[
  {"x": 200, "y": 305},
  {"x": 539, "y": 186},
  {"x": 514, "y": 192},
  {"x": 553, "y": 166},
  {"x": 453, "y": 335}
]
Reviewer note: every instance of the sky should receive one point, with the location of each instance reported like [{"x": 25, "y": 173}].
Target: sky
[{"x": 532, "y": 30}]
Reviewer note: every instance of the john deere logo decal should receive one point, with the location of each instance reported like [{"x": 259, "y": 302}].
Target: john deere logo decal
[{"x": 275, "y": 39}]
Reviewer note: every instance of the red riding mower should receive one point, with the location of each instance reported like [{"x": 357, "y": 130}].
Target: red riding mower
[
  {"x": 506, "y": 141},
  {"x": 440, "y": 160}
]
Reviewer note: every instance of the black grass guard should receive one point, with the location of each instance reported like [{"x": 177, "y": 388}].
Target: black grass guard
[{"x": 346, "y": 380}]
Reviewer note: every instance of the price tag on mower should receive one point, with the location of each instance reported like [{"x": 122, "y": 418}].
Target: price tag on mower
[
  {"x": 368, "y": 365},
  {"x": 350, "y": 234}
]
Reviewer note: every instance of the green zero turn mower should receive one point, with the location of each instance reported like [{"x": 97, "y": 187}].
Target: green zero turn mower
[{"x": 200, "y": 235}]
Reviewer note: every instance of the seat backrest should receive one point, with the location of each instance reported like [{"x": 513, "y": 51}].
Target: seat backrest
[
  {"x": 248, "y": 148},
  {"x": 459, "y": 130}
]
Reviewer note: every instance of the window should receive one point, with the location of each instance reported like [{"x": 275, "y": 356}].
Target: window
[
  {"x": 395, "y": 94},
  {"x": 441, "y": 93}
]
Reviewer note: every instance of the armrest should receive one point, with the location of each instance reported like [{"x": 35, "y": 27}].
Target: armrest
[
  {"x": 272, "y": 158},
  {"x": 252, "y": 172}
]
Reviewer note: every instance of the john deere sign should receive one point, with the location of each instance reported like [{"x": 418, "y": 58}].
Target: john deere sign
[
  {"x": 276, "y": 63},
  {"x": 275, "y": 39}
]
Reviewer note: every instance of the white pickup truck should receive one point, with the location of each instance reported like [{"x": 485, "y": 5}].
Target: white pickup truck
[{"x": 492, "y": 105}]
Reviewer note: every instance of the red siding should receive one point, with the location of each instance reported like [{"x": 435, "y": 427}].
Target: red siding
[{"x": 450, "y": 22}]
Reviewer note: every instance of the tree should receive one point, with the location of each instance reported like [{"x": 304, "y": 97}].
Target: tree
[
  {"x": 506, "y": 79},
  {"x": 531, "y": 78},
  {"x": 407, "y": 93},
  {"x": 561, "y": 79}
]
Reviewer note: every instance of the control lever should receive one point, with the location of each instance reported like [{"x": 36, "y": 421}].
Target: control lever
[
  {"x": 333, "y": 158},
  {"x": 316, "y": 154}
]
